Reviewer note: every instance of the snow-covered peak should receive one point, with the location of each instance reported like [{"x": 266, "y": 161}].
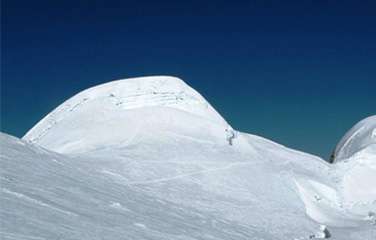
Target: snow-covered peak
[
  {"x": 126, "y": 110},
  {"x": 359, "y": 137}
]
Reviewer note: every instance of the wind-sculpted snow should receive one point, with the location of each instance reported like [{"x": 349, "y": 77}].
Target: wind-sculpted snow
[
  {"x": 118, "y": 111},
  {"x": 172, "y": 170},
  {"x": 359, "y": 137}
]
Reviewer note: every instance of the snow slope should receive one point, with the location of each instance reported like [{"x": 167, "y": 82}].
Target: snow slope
[
  {"x": 151, "y": 168},
  {"x": 356, "y": 156},
  {"x": 355, "y": 165}
]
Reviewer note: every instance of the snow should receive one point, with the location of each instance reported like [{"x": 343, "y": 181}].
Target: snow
[
  {"x": 357, "y": 184},
  {"x": 119, "y": 111},
  {"x": 323, "y": 205},
  {"x": 131, "y": 159},
  {"x": 362, "y": 135},
  {"x": 353, "y": 195},
  {"x": 355, "y": 163}
]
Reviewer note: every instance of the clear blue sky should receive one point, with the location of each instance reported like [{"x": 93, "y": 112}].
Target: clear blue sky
[{"x": 298, "y": 73}]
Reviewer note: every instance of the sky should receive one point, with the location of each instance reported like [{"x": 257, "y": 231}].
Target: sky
[{"x": 299, "y": 73}]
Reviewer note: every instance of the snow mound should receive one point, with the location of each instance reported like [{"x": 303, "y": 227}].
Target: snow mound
[
  {"x": 359, "y": 137},
  {"x": 123, "y": 111}
]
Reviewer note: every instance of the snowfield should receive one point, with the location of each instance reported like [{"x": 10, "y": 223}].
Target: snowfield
[{"x": 150, "y": 158}]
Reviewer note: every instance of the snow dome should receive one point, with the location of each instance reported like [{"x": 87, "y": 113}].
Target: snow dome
[{"x": 358, "y": 138}]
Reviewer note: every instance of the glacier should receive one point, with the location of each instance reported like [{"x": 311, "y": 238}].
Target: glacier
[{"x": 150, "y": 158}]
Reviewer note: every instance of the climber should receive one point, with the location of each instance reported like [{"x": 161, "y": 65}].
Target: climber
[
  {"x": 371, "y": 217},
  {"x": 322, "y": 234},
  {"x": 230, "y": 135}
]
